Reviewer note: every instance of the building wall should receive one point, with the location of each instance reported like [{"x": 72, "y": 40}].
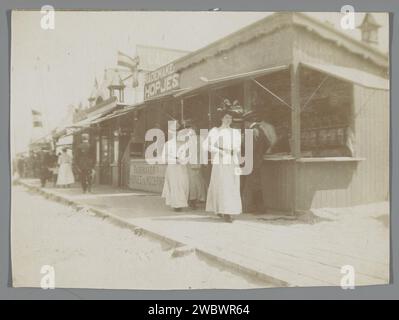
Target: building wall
[
  {"x": 372, "y": 140},
  {"x": 258, "y": 53},
  {"x": 326, "y": 184},
  {"x": 278, "y": 185}
]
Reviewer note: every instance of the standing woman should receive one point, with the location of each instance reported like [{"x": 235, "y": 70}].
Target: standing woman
[
  {"x": 65, "y": 175},
  {"x": 176, "y": 185},
  {"x": 224, "y": 144}
]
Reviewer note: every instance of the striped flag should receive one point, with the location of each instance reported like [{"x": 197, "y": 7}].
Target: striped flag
[
  {"x": 37, "y": 119},
  {"x": 127, "y": 61}
]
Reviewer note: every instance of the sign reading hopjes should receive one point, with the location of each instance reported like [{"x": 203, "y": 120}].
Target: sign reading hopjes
[{"x": 161, "y": 81}]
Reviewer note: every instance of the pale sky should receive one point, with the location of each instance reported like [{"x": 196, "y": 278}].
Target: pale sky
[{"x": 51, "y": 69}]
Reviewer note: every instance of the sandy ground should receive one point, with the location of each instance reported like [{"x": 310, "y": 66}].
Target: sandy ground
[{"x": 89, "y": 252}]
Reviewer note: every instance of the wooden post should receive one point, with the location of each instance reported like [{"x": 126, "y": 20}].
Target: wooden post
[
  {"x": 210, "y": 102},
  {"x": 247, "y": 103},
  {"x": 296, "y": 113},
  {"x": 98, "y": 154},
  {"x": 295, "y": 142},
  {"x": 182, "y": 110}
]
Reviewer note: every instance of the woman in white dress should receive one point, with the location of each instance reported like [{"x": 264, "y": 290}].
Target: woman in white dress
[
  {"x": 65, "y": 175},
  {"x": 176, "y": 185},
  {"x": 224, "y": 143}
]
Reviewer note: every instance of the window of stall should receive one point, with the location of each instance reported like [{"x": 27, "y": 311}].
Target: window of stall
[
  {"x": 196, "y": 109},
  {"x": 107, "y": 144},
  {"x": 326, "y": 115},
  {"x": 137, "y": 133},
  {"x": 104, "y": 149},
  {"x": 169, "y": 109},
  {"x": 275, "y": 101},
  {"x": 154, "y": 115}
]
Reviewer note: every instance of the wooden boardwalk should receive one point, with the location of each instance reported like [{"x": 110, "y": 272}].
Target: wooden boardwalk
[{"x": 309, "y": 250}]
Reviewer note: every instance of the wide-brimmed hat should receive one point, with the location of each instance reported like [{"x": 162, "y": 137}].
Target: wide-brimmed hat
[{"x": 234, "y": 110}]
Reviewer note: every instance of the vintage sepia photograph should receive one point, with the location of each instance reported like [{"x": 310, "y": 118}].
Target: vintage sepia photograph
[{"x": 199, "y": 150}]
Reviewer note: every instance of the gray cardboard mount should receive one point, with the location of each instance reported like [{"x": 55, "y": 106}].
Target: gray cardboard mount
[{"x": 373, "y": 292}]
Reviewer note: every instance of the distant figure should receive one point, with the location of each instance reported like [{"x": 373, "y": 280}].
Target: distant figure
[
  {"x": 176, "y": 185},
  {"x": 54, "y": 167},
  {"x": 21, "y": 166},
  {"x": 85, "y": 166},
  {"x": 65, "y": 175},
  {"x": 44, "y": 164},
  {"x": 36, "y": 165}
]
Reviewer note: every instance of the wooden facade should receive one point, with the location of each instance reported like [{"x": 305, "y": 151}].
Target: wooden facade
[{"x": 290, "y": 46}]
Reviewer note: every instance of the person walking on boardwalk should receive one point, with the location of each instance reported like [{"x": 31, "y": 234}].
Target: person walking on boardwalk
[
  {"x": 224, "y": 144},
  {"x": 176, "y": 185},
  {"x": 65, "y": 175},
  {"x": 85, "y": 166},
  {"x": 45, "y": 164}
]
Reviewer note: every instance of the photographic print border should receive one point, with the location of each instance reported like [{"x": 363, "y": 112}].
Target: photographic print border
[{"x": 369, "y": 292}]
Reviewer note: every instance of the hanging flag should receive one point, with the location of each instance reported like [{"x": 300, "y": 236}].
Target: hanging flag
[
  {"x": 127, "y": 61},
  {"x": 37, "y": 119}
]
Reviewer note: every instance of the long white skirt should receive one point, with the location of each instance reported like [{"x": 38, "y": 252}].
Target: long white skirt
[
  {"x": 224, "y": 190},
  {"x": 197, "y": 184},
  {"x": 65, "y": 175},
  {"x": 176, "y": 186}
]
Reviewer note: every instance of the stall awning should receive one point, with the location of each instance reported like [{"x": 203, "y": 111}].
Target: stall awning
[
  {"x": 170, "y": 94},
  {"x": 138, "y": 106},
  {"x": 65, "y": 140},
  {"x": 352, "y": 75},
  {"x": 86, "y": 122},
  {"x": 228, "y": 80},
  {"x": 110, "y": 116}
]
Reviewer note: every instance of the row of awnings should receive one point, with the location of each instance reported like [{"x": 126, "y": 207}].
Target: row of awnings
[
  {"x": 351, "y": 75},
  {"x": 88, "y": 121},
  {"x": 230, "y": 80}
]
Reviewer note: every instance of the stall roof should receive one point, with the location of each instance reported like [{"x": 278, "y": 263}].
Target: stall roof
[
  {"x": 137, "y": 106},
  {"x": 87, "y": 121},
  {"x": 116, "y": 113},
  {"x": 352, "y": 75},
  {"x": 272, "y": 23},
  {"x": 170, "y": 94},
  {"x": 232, "y": 79}
]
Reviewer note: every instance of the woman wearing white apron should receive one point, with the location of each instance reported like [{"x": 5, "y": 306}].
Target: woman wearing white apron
[
  {"x": 176, "y": 185},
  {"x": 224, "y": 143},
  {"x": 65, "y": 175}
]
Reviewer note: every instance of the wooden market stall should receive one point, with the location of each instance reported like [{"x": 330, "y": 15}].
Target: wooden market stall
[{"x": 326, "y": 94}]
